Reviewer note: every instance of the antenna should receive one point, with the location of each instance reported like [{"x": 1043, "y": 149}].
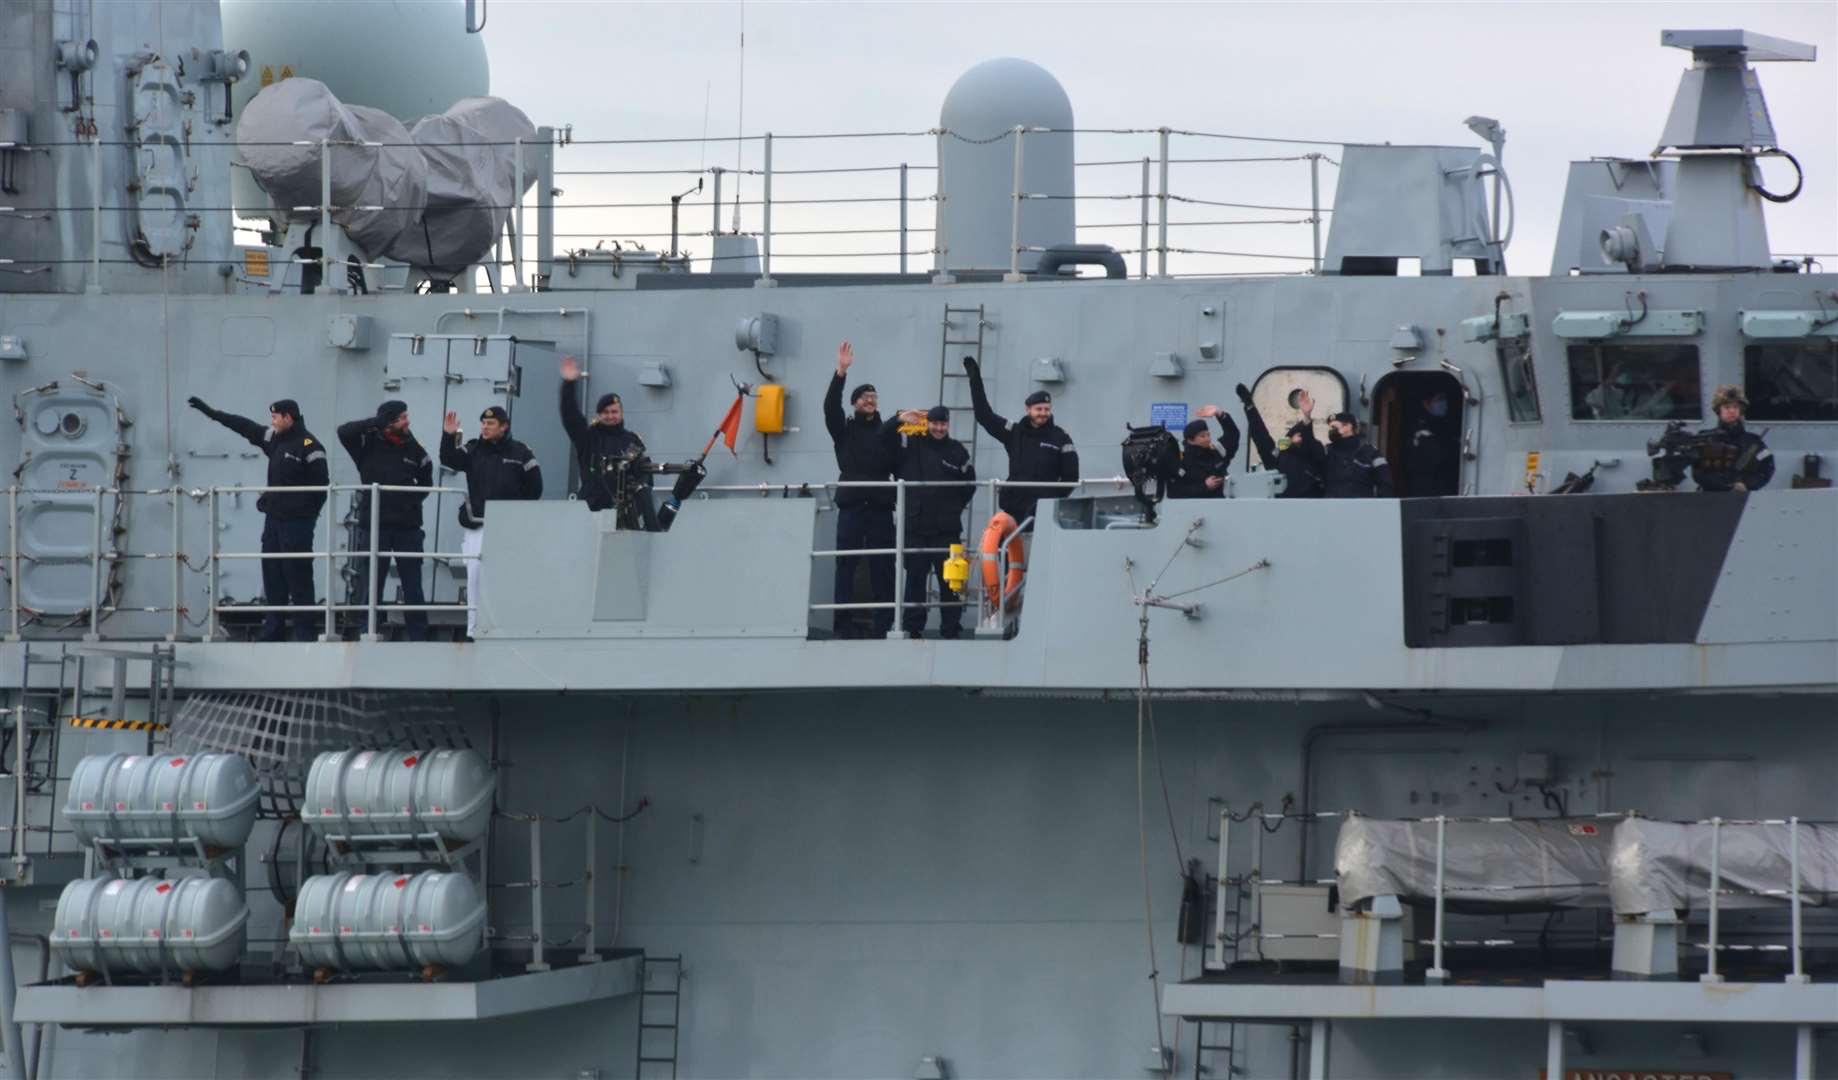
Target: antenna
[{"x": 740, "y": 127}]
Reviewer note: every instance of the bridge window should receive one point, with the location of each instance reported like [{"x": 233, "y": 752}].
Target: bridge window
[
  {"x": 1792, "y": 380},
  {"x": 1521, "y": 384},
  {"x": 1634, "y": 382}
]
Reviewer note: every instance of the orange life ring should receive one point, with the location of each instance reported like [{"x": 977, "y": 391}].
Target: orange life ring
[{"x": 1001, "y": 527}]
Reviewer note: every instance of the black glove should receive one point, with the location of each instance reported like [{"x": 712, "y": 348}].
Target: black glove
[
  {"x": 972, "y": 369},
  {"x": 198, "y": 404},
  {"x": 1244, "y": 393}
]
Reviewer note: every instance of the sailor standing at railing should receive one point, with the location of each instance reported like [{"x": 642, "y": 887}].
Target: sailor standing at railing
[
  {"x": 497, "y": 467},
  {"x": 934, "y": 513},
  {"x": 1204, "y": 462},
  {"x": 1038, "y": 449},
  {"x": 295, "y": 459},
  {"x": 864, "y": 515},
  {"x": 609, "y": 454},
  {"x": 387, "y": 453}
]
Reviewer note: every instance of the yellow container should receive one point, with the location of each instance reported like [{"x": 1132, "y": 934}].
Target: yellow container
[{"x": 769, "y": 410}]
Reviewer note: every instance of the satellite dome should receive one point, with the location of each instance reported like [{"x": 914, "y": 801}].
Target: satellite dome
[{"x": 978, "y": 165}]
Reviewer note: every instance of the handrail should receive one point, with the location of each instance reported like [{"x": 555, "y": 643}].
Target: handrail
[{"x": 99, "y": 555}]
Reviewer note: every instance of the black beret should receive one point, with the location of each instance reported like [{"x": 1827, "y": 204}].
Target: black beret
[
  {"x": 855, "y": 395},
  {"x": 1194, "y": 427},
  {"x": 605, "y": 400},
  {"x": 1345, "y": 418},
  {"x": 939, "y": 413},
  {"x": 1039, "y": 397},
  {"x": 286, "y": 407},
  {"x": 496, "y": 412},
  {"x": 389, "y": 410}
]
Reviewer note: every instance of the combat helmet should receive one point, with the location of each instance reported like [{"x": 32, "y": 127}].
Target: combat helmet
[{"x": 1729, "y": 394}]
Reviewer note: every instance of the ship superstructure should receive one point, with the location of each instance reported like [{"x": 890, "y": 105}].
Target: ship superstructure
[{"x": 1532, "y": 771}]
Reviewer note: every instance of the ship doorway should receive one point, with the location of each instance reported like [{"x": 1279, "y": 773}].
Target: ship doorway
[{"x": 1424, "y": 449}]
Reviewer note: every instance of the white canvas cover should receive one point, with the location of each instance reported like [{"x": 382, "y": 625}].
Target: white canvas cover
[
  {"x": 471, "y": 183},
  {"x": 1664, "y": 866},
  {"x": 279, "y": 136},
  {"x": 1531, "y": 863}
]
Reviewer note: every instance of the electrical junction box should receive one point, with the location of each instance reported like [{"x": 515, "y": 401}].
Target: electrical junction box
[
  {"x": 349, "y": 332},
  {"x": 1297, "y": 923},
  {"x": 769, "y": 409}
]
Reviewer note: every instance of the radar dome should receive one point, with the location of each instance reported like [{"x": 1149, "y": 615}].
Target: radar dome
[
  {"x": 978, "y": 165},
  {"x": 408, "y": 59}
]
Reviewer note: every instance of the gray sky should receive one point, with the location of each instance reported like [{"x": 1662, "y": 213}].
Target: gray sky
[{"x": 1567, "y": 80}]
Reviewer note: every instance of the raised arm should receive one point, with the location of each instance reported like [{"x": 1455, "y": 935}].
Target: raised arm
[
  {"x": 832, "y": 398},
  {"x": 452, "y": 454},
  {"x": 355, "y": 435},
  {"x": 986, "y": 417},
  {"x": 1254, "y": 426},
  {"x": 241, "y": 425},
  {"x": 574, "y": 422},
  {"x": 1228, "y": 430}
]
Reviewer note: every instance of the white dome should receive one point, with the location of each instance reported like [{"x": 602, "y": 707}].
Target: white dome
[{"x": 978, "y": 165}]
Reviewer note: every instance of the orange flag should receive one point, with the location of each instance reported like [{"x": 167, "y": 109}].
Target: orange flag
[{"x": 729, "y": 430}]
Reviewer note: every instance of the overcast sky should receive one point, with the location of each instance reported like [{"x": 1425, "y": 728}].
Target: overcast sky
[{"x": 1568, "y": 81}]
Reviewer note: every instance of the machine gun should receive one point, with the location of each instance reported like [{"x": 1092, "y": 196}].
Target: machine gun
[
  {"x": 1151, "y": 457},
  {"x": 1676, "y": 452},
  {"x": 628, "y": 478}
]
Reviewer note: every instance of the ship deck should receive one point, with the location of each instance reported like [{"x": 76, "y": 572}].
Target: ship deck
[{"x": 296, "y": 1005}]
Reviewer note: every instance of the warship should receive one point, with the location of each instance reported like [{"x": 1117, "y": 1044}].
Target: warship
[{"x": 1523, "y": 772}]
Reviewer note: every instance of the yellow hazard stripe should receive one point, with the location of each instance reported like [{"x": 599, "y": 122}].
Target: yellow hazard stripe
[{"x": 115, "y": 725}]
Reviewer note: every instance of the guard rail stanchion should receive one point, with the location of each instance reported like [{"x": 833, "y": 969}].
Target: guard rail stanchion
[
  {"x": 1142, "y": 246},
  {"x": 940, "y": 209},
  {"x": 1257, "y": 887},
  {"x": 1221, "y": 894},
  {"x": 1161, "y": 249},
  {"x": 536, "y": 886},
  {"x": 765, "y": 251},
  {"x": 95, "y": 572},
  {"x": 331, "y": 536},
  {"x": 1438, "y": 973},
  {"x": 588, "y": 952},
  {"x": 325, "y": 217},
  {"x": 1716, "y": 886},
  {"x": 899, "y": 558},
  {"x": 178, "y": 586},
  {"x": 517, "y": 244},
  {"x": 1014, "y": 214},
  {"x": 903, "y": 217},
  {"x": 12, "y": 516},
  {"x": 95, "y": 214},
  {"x": 1793, "y": 863},
  {"x": 376, "y": 519},
  {"x": 210, "y": 631},
  {"x": 1314, "y": 204}
]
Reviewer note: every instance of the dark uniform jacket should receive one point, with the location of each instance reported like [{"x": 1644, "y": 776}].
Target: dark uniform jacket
[
  {"x": 1302, "y": 462},
  {"x": 295, "y": 459},
  {"x": 1198, "y": 463},
  {"x": 932, "y": 511},
  {"x": 1744, "y": 457},
  {"x": 1354, "y": 470},
  {"x": 1042, "y": 453},
  {"x": 381, "y": 460},
  {"x": 598, "y": 448},
  {"x": 494, "y": 470},
  {"x": 1428, "y": 465},
  {"x": 862, "y": 453}
]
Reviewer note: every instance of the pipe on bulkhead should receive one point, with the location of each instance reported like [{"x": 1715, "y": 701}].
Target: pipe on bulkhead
[
  {"x": 9, "y": 990},
  {"x": 1058, "y": 256}
]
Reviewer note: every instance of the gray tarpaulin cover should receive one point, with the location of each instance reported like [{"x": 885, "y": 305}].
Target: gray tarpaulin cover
[
  {"x": 1660, "y": 866},
  {"x": 1531, "y": 863},
  {"x": 471, "y": 162},
  {"x": 392, "y": 176}
]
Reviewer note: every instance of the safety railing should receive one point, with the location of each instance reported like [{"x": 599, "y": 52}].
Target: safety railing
[
  {"x": 843, "y": 205},
  {"x": 998, "y": 611},
  {"x": 101, "y": 559},
  {"x": 1715, "y": 889},
  {"x": 539, "y": 885}
]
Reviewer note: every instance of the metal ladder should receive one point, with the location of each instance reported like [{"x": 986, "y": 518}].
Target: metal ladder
[
  {"x": 950, "y": 367},
  {"x": 651, "y": 1025},
  {"x": 1201, "y": 1047},
  {"x": 28, "y": 751}
]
